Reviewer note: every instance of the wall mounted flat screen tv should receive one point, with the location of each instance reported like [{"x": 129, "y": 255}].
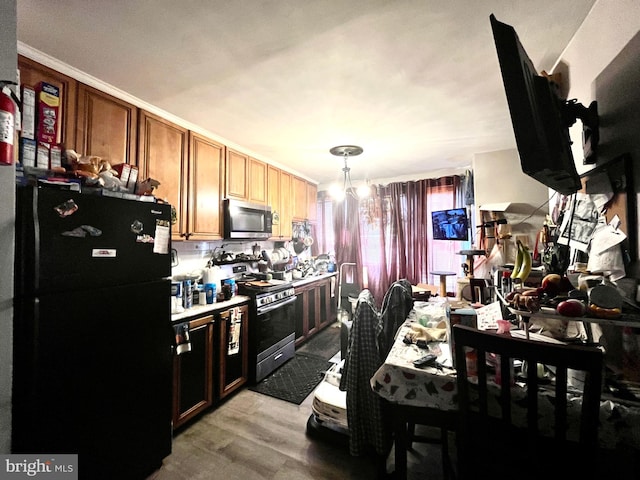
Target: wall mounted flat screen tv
[
  {"x": 450, "y": 224},
  {"x": 540, "y": 118}
]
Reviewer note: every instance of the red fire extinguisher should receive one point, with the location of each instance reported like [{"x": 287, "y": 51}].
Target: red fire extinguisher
[{"x": 8, "y": 104}]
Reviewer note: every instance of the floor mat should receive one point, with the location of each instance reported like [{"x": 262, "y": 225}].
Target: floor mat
[
  {"x": 324, "y": 344},
  {"x": 294, "y": 380}
]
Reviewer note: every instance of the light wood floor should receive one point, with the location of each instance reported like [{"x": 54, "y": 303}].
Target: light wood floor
[{"x": 254, "y": 436}]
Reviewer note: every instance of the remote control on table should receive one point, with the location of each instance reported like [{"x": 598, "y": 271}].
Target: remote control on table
[{"x": 428, "y": 359}]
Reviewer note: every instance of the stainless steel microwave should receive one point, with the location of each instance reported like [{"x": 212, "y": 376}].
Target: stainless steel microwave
[{"x": 246, "y": 220}]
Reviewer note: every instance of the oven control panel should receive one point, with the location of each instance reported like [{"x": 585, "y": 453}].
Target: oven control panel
[{"x": 273, "y": 297}]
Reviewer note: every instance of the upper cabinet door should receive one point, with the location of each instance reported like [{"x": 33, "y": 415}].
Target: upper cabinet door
[
  {"x": 257, "y": 181},
  {"x": 237, "y": 172},
  {"x": 32, "y": 73},
  {"x": 206, "y": 166},
  {"x": 299, "y": 198},
  {"x": 286, "y": 205},
  {"x": 106, "y": 126},
  {"x": 273, "y": 198},
  {"x": 162, "y": 156},
  {"x": 312, "y": 202}
]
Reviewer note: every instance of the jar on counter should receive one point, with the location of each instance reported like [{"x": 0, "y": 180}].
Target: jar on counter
[
  {"x": 229, "y": 288},
  {"x": 202, "y": 297}
]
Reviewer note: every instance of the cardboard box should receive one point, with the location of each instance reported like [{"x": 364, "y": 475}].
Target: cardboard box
[
  {"x": 28, "y": 152},
  {"x": 28, "y": 113},
  {"x": 133, "y": 180},
  {"x": 55, "y": 156},
  {"x": 124, "y": 170},
  {"x": 42, "y": 156},
  {"x": 47, "y": 106}
]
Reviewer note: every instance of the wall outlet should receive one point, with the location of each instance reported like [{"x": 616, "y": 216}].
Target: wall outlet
[{"x": 201, "y": 246}]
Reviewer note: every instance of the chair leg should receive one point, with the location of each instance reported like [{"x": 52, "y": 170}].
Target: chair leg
[
  {"x": 444, "y": 440},
  {"x": 411, "y": 432}
]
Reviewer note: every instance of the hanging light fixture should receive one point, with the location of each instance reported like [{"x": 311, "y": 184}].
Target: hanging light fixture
[{"x": 345, "y": 151}]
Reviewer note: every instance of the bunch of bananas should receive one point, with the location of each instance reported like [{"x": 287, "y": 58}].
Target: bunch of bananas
[{"x": 522, "y": 266}]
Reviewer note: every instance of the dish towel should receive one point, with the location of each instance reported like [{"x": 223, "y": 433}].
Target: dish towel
[{"x": 183, "y": 343}]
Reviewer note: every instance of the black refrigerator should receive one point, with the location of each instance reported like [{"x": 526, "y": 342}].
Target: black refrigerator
[{"x": 92, "y": 331}]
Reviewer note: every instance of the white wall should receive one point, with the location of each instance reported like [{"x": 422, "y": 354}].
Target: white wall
[
  {"x": 498, "y": 178},
  {"x": 606, "y": 30},
  {"x": 8, "y": 62}
]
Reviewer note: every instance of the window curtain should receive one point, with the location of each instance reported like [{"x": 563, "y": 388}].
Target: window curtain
[
  {"x": 346, "y": 231},
  {"x": 388, "y": 235}
]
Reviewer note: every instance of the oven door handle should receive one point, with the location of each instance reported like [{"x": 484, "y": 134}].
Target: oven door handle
[{"x": 273, "y": 306}]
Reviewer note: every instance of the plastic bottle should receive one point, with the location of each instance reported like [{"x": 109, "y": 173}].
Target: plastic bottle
[
  {"x": 210, "y": 292},
  {"x": 506, "y": 282}
]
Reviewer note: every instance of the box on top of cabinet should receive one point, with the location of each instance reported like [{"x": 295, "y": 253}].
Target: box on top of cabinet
[
  {"x": 28, "y": 113},
  {"x": 47, "y": 106}
]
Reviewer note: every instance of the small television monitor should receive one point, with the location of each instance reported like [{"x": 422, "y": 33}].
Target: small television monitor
[
  {"x": 540, "y": 118},
  {"x": 452, "y": 224}
]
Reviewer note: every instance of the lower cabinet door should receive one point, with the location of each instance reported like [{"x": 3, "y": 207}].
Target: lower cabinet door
[
  {"x": 193, "y": 373},
  {"x": 233, "y": 359}
]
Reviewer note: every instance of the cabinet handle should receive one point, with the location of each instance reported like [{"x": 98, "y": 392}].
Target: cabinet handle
[{"x": 278, "y": 356}]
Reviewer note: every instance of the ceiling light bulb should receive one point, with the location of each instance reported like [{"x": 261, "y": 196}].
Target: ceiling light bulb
[
  {"x": 363, "y": 191},
  {"x": 336, "y": 192}
]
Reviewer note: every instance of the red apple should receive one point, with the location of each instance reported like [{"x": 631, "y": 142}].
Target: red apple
[
  {"x": 551, "y": 284},
  {"x": 571, "y": 308}
]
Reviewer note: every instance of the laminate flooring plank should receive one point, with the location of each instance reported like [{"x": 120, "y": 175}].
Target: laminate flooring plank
[{"x": 257, "y": 437}]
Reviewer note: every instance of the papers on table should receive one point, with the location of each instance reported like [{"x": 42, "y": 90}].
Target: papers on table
[{"x": 487, "y": 317}]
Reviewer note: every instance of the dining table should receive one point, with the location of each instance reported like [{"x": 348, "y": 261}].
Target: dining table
[{"x": 427, "y": 396}]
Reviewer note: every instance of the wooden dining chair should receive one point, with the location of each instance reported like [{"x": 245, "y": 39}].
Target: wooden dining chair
[{"x": 517, "y": 430}]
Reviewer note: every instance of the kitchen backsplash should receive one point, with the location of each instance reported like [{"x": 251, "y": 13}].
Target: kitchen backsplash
[{"x": 193, "y": 256}]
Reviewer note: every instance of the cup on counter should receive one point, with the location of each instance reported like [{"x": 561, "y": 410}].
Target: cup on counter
[
  {"x": 210, "y": 292},
  {"x": 187, "y": 294}
]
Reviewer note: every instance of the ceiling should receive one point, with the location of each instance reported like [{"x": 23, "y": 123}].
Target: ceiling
[{"x": 415, "y": 83}]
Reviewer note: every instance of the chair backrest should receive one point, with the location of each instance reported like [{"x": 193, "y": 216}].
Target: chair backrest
[
  {"x": 534, "y": 416},
  {"x": 396, "y": 305}
]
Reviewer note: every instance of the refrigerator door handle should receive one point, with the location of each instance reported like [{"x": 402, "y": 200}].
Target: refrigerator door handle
[{"x": 36, "y": 241}]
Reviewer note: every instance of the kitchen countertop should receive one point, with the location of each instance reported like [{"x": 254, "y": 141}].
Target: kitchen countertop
[
  {"x": 312, "y": 278},
  {"x": 199, "y": 310}
]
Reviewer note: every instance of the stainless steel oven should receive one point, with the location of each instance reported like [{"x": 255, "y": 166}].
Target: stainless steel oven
[{"x": 272, "y": 327}]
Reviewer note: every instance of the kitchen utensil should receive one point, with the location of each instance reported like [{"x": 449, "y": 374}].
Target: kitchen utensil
[{"x": 299, "y": 247}]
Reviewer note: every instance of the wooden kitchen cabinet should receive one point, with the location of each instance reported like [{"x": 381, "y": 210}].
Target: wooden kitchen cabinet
[
  {"x": 246, "y": 178},
  {"x": 286, "y": 205},
  {"x": 299, "y": 197},
  {"x": 193, "y": 373},
  {"x": 32, "y": 73},
  {"x": 201, "y": 204},
  {"x": 233, "y": 350},
  {"x": 162, "y": 155},
  {"x": 106, "y": 126},
  {"x": 236, "y": 174},
  {"x": 279, "y": 198},
  {"x": 273, "y": 199},
  {"x": 315, "y": 307},
  {"x": 257, "y": 182},
  {"x": 312, "y": 202}
]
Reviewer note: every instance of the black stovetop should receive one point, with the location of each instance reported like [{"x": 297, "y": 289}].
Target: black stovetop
[{"x": 252, "y": 286}]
